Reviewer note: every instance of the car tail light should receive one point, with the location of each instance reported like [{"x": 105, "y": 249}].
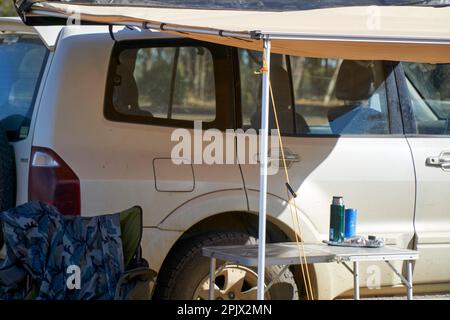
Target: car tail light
[{"x": 52, "y": 181}]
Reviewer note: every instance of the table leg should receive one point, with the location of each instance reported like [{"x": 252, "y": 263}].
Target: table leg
[
  {"x": 356, "y": 280},
  {"x": 409, "y": 287},
  {"x": 212, "y": 277}
]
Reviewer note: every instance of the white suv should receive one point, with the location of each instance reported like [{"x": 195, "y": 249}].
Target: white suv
[{"x": 91, "y": 119}]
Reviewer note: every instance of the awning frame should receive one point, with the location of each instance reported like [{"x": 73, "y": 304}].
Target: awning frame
[
  {"x": 263, "y": 151},
  {"x": 259, "y": 35}
]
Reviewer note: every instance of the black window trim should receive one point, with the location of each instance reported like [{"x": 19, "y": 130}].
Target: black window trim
[
  {"x": 396, "y": 126},
  {"x": 408, "y": 119},
  {"x": 222, "y": 74}
]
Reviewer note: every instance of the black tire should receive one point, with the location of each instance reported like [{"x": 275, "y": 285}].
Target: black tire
[
  {"x": 186, "y": 268},
  {"x": 7, "y": 176}
]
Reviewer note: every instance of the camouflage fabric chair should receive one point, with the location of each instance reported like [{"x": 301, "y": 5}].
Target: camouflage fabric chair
[
  {"x": 42, "y": 245},
  {"x": 137, "y": 281}
]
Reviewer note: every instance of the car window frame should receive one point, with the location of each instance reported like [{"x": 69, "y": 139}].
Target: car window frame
[{"x": 222, "y": 75}]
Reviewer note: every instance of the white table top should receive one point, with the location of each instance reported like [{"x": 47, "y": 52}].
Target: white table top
[{"x": 287, "y": 253}]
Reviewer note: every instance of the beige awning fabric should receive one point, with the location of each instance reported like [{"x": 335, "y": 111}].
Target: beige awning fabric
[{"x": 399, "y": 33}]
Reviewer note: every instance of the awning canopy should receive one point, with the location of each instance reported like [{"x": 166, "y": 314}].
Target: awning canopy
[{"x": 402, "y": 33}]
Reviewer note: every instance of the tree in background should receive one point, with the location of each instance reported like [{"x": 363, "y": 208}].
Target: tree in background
[{"x": 7, "y": 8}]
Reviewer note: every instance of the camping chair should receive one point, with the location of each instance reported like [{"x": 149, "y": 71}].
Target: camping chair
[{"x": 137, "y": 280}]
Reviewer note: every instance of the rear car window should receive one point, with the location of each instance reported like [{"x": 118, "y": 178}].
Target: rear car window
[
  {"x": 22, "y": 60},
  {"x": 316, "y": 96},
  {"x": 168, "y": 82},
  {"x": 429, "y": 91}
]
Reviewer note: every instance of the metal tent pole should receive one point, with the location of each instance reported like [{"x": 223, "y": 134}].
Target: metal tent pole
[{"x": 263, "y": 150}]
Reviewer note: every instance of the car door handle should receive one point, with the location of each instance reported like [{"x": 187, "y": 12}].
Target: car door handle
[
  {"x": 288, "y": 156},
  {"x": 443, "y": 161}
]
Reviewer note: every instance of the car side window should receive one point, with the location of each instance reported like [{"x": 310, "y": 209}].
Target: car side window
[
  {"x": 429, "y": 92},
  {"x": 22, "y": 62},
  {"x": 170, "y": 85},
  {"x": 317, "y": 96}
]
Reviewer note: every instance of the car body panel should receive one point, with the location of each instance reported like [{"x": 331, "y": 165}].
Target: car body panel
[
  {"x": 432, "y": 219},
  {"x": 355, "y": 168},
  {"x": 48, "y": 34}
]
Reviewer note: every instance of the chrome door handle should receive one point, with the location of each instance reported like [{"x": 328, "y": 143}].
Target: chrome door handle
[
  {"x": 443, "y": 161},
  {"x": 288, "y": 156}
]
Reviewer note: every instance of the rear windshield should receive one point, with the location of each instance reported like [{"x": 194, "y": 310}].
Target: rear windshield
[{"x": 22, "y": 58}]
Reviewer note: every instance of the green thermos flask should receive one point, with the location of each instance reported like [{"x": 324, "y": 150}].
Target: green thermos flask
[{"x": 337, "y": 222}]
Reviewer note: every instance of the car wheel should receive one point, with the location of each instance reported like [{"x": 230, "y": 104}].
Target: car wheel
[{"x": 186, "y": 273}]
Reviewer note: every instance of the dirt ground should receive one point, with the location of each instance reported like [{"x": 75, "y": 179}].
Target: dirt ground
[{"x": 444, "y": 296}]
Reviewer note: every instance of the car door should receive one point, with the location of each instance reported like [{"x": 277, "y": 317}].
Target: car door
[
  {"x": 157, "y": 90},
  {"x": 345, "y": 141},
  {"x": 427, "y": 101}
]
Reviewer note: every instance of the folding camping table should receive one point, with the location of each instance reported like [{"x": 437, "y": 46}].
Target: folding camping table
[{"x": 287, "y": 254}]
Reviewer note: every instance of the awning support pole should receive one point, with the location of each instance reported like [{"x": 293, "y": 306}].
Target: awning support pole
[{"x": 263, "y": 150}]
